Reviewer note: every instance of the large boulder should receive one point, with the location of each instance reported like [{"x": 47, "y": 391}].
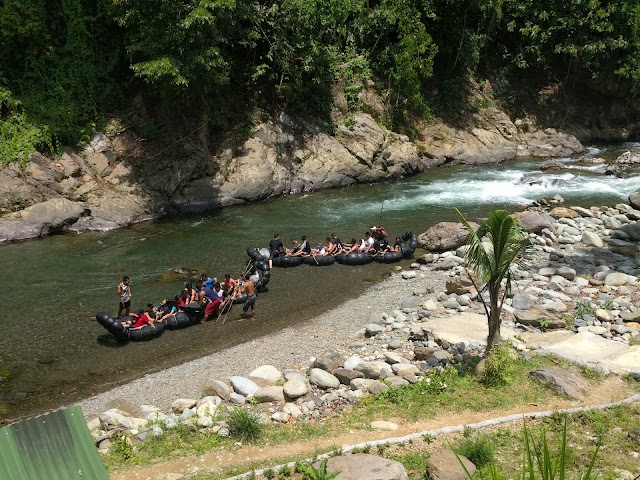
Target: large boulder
[
  {"x": 445, "y": 236},
  {"x": 295, "y": 388},
  {"x": 634, "y": 199},
  {"x": 269, "y": 394},
  {"x": 363, "y": 466},
  {"x": 244, "y": 386},
  {"x": 52, "y": 216},
  {"x": 533, "y": 221}
]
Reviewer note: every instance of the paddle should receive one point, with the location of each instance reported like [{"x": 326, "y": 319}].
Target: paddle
[{"x": 228, "y": 300}]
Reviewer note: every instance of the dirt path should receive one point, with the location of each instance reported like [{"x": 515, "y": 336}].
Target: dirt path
[{"x": 610, "y": 390}]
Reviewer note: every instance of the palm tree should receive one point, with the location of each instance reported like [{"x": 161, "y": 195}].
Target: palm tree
[{"x": 490, "y": 262}]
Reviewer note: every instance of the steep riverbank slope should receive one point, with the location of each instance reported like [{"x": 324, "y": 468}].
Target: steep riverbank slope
[{"x": 121, "y": 178}]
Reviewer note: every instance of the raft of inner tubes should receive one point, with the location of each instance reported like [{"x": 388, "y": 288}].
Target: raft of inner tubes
[
  {"x": 259, "y": 265},
  {"x": 407, "y": 248}
]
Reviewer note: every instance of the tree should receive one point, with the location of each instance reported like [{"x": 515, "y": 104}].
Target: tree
[{"x": 490, "y": 263}]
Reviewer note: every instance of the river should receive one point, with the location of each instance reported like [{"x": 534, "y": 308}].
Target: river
[{"x": 52, "y": 351}]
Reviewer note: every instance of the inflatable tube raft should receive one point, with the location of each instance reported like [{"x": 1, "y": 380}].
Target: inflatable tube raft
[
  {"x": 411, "y": 243},
  {"x": 255, "y": 254},
  {"x": 115, "y": 328},
  {"x": 147, "y": 332},
  {"x": 284, "y": 261},
  {"x": 389, "y": 257},
  {"x": 354, "y": 258},
  {"x": 320, "y": 260}
]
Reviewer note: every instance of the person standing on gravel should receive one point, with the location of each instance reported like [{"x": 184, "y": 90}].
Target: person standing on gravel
[{"x": 124, "y": 290}]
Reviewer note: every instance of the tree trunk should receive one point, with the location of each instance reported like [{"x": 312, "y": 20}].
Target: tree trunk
[{"x": 494, "y": 319}]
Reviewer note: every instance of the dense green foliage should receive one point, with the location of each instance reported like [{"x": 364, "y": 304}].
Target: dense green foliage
[{"x": 67, "y": 65}]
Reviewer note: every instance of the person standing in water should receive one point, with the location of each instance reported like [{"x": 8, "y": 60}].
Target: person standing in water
[
  {"x": 250, "y": 302},
  {"x": 124, "y": 290}
]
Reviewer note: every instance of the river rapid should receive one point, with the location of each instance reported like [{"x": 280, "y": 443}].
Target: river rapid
[{"x": 53, "y": 352}]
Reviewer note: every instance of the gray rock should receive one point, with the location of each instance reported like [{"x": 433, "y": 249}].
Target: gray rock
[
  {"x": 328, "y": 361},
  {"x": 562, "y": 381},
  {"x": 617, "y": 279},
  {"x": 412, "y": 302},
  {"x": 532, "y": 318},
  {"x": 269, "y": 373},
  {"x": 362, "y": 466},
  {"x": 295, "y": 388},
  {"x": 408, "y": 274},
  {"x": 345, "y": 376},
  {"x": 566, "y": 272},
  {"x": 374, "y": 369},
  {"x": 423, "y": 353},
  {"x": 323, "y": 379},
  {"x": 351, "y": 362},
  {"x": 592, "y": 239},
  {"x": 523, "y": 302},
  {"x": 404, "y": 369},
  {"x": 533, "y": 221},
  {"x": 214, "y": 387},
  {"x": 269, "y": 394},
  {"x": 244, "y": 386},
  {"x": 371, "y": 329},
  {"x": 368, "y": 385},
  {"x": 181, "y": 404},
  {"x": 444, "y": 236},
  {"x": 444, "y": 465},
  {"x": 611, "y": 223},
  {"x": 392, "y": 358}
]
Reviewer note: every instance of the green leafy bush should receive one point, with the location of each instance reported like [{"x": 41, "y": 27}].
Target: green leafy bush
[{"x": 498, "y": 367}]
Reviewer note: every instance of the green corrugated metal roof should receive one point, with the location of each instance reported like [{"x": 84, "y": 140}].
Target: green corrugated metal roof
[{"x": 55, "y": 446}]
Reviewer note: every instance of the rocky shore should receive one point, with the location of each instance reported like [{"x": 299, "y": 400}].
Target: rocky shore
[
  {"x": 576, "y": 295},
  {"x": 117, "y": 180}
]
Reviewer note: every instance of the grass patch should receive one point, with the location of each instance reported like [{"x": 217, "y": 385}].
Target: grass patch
[
  {"x": 414, "y": 462},
  {"x": 244, "y": 424},
  {"x": 180, "y": 441},
  {"x": 498, "y": 366},
  {"x": 460, "y": 392},
  {"x": 634, "y": 341},
  {"x": 477, "y": 447}
]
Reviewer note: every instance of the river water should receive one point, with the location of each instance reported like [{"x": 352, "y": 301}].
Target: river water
[{"x": 52, "y": 351}]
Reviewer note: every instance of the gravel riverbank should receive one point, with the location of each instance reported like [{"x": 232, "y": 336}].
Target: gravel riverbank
[{"x": 287, "y": 348}]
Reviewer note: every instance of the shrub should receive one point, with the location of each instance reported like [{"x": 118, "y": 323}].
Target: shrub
[
  {"x": 244, "y": 424},
  {"x": 477, "y": 448},
  {"x": 499, "y": 364},
  {"x": 122, "y": 448}
]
